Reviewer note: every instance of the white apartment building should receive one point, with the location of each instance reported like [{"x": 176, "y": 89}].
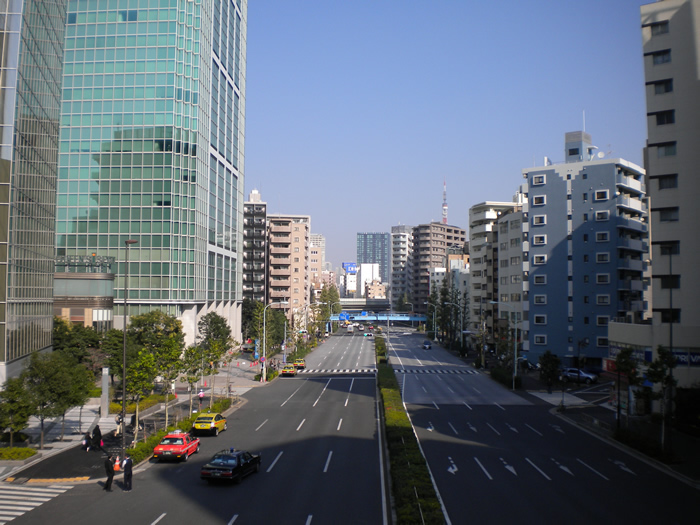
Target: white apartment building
[
  {"x": 401, "y": 263},
  {"x": 289, "y": 260}
]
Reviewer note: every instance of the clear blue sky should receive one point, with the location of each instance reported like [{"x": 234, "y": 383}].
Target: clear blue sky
[{"x": 357, "y": 110}]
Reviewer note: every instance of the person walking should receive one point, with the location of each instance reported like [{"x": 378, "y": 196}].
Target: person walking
[
  {"x": 109, "y": 469},
  {"x": 87, "y": 441},
  {"x": 97, "y": 438},
  {"x": 127, "y": 468}
]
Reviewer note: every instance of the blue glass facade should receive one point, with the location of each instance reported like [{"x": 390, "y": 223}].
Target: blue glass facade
[
  {"x": 151, "y": 146},
  {"x": 30, "y": 93}
]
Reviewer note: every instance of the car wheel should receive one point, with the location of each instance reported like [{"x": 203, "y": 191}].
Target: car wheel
[
  {"x": 225, "y": 426},
  {"x": 588, "y": 380},
  {"x": 216, "y": 431},
  {"x": 257, "y": 467},
  {"x": 187, "y": 456},
  {"x": 197, "y": 451},
  {"x": 238, "y": 479}
]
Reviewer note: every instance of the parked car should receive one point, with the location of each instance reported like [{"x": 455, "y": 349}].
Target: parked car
[
  {"x": 578, "y": 375},
  {"x": 230, "y": 465},
  {"x": 209, "y": 422},
  {"x": 427, "y": 344},
  {"x": 176, "y": 445}
]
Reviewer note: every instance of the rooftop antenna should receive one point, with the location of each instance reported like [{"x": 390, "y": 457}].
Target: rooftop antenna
[{"x": 444, "y": 201}]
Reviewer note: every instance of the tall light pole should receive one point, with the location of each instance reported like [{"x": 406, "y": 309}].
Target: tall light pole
[
  {"x": 434, "y": 309},
  {"x": 127, "y": 243},
  {"x": 264, "y": 361},
  {"x": 515, "y": 339},
  {"x": 461, "y": 324},
  {"x": 412, "y": 307}
]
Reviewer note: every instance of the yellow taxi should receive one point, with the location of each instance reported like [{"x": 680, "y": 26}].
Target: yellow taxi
[
  {"x": 209, "y": 422},
  {"x": 288, "y": 370},
  {"x": 299, "y": 363}
]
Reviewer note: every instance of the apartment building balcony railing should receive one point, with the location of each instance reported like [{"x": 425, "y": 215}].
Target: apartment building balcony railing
[
  {"x": 486, "y": 215},
  {"x": 636, "y": 245},
  {"x": 625, "y": 263},
  {"x": 632, "y": 224},
  {"x": 481, "y": 228},
  {"x": 280, "y": 282},
  {"x": 280, "y": 228},
  {"x": 630, "y": 306},
  {"x": 634, "y": 285},
  {"x": 281, "y": 260},
  {"x": 279, "y": 271},
  {"x": 630, "y": 183},
  {"x": 279, "y": 294},
  {"x": 280, "y": 250},
  {"x": 257, "y": 267},
  {"x": 253, "y": 278},
  {"x": 630, "y": 203}
]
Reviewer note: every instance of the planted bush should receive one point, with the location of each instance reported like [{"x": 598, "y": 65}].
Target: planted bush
[{"x": 16, "y": 453}]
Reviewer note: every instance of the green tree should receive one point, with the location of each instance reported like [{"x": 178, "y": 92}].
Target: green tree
[
  {"x": 216, "y": 341},
  {"x": 192, "y": 368},
  {"x": 660, "y": 372},
  {"x": 81, "y": 342},
  {"x": 15, "y": 407},
  {"x": 81, "y": 380},
  {"x": 626, "y": 365},
  {"x": 47, "y": 381},
  {"x": 141, "y": 374},
  {"x": 549, "y": 369},
  {"x": 112, "y": 345}
]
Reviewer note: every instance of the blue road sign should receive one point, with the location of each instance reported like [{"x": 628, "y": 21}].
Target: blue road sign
[{"x": 343, "y": 316}]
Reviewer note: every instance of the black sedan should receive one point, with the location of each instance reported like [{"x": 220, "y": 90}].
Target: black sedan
[{"x": 230, "y": 465}]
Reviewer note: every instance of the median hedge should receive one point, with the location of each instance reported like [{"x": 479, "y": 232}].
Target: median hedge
[
  {"x": 16, "y": 453},
  {"x": 415, "y": 499}
]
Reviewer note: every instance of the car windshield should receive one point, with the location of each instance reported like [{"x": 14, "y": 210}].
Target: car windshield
[
  {"x": 171, "y": 441},
  {"x": 224, "y": 461}
]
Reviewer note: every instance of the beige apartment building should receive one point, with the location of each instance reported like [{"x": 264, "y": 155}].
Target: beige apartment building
[
  {"x": 289, "y": 249},
  {"x": 670, "y": 33}
]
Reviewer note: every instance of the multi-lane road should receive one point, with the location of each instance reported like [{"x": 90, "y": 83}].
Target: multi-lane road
[
  {"x": 497, "y": 456},
  {"x": 319, "y": 437}
]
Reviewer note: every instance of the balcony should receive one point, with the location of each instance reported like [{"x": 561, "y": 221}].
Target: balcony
[
  {"x": 279, "y": 271},
  {"x": 636, "y": 245},
  {"x": 280, "y": 282},
  {"x": 635, "y": 285},
  {"x": 631, "y": 204},
  {"x": 630, "y": 264},
  {"x": 281, "y": 228},
  {"x": 280, "y": 250},
  {"x": 481, "y": 229},
  {"x": 279, "y": 294},
  {"x": 632, "y": 224},
  {"x": 486, "y": 215},
  {"x": 281, "y": 261},
  {"x": 630, "y": 183}
]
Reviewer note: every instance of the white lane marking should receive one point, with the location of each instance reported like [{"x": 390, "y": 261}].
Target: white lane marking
[
  {"x": 496, "y": 431},
  {"x": 434, "y": 403},
  {"x": 594, "y": 470},
  {"x": 475, "y": 390},
  {"x": 535, "y": 431},
  {"x": 339, "y": 423},
  {"x": 448, "y": 388},
  {"x": 352, "y": 382},
  {"x": 300, "y": 424},
  {"x": 499, "y": 406},
  {"x": 471, "y": 427},
  {"x": 275, "y": 461},
  {"x": 508, "y": 467},
  {"x": 261, "y": 424},
  {"x": 563, "y": 467},
  {"x": 308, "y": 520},
  {"x": 424, "y": 390},
  {"x": 290, "y": 397},
  {"x": 538, "y": 469},
  {"x": 624, "y": 467},
  {"x": 512, "y": 428},
  {"x": 482, "y": 468},
  {"x": 322, "y": 391},
  {"x": 453, "y": 428},
  {"x": 328, "y": 461},
  {"x": 159, "y": 518},
  {"x": 465, "y": 404},
  {"x": 235, "y": 517},
  {"x": 380, "y": 444}
]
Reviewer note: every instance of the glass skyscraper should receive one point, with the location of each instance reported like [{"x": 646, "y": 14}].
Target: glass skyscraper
[
  {"x": 151, "y": 149},
  {"x": 30, "y": 93},
  {"x": 374, "y": 248}
]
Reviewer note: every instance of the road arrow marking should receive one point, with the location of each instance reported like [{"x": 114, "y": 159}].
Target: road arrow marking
[
  {"x": 452, "y": 469},
  {"x": 511, "y": 468},
  {"x": 512, "y": 428},
  {"x": 430, "y": 427},
  {"x": 622, "y": 465},
  {"x": 563, "y": 467},
  {"x": 557, "y": 428},
  {"x": 472, "y": 427}
]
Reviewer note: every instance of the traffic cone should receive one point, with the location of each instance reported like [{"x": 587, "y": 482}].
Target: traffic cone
[{"x": 117, "y": 465}]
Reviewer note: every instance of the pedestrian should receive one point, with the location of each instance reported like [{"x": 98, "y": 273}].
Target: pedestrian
[
  {"x": 127, "y": 468},
  {"x": 87, "y": 441},
  {"x": 118, "y": 420},
  {"x": 109, "y": 469},
  {"x": 97, "y": 438},
  {"x": 201, "y": 397}
]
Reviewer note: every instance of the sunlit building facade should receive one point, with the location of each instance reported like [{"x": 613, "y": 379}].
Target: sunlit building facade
[
  {"x": 30, "y": 91},
  {"x": 151, "y": 150}
]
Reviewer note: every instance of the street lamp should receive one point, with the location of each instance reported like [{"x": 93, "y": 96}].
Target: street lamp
[
  {"x": 264, "y": 362},
  {"x": 127, "y": 243},
  {"x": 434, "y": 309},
  {"x": 461, "y": 324},
  {"x": 515, "y": 340}
]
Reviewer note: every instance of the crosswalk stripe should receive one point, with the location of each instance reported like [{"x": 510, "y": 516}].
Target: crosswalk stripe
[
  {"x": 435, "y": 371},
  {"x": 18, "y": 500},
  {"x": 338, "y": 371}
]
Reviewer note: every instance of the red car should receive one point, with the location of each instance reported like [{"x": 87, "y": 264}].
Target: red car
[{"x": 176, "y": 445}]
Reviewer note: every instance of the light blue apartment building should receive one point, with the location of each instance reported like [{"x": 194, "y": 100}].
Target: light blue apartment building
[
  {"x": 151, "y": 150},
  {"x": 586, "y": 249}
]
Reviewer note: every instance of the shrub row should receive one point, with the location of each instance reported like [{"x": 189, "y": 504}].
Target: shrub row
[
  {"x": 16, "y": 453},
  {"x": 147, "y": 402},
  {"x": 505, "y": 377},
  {"x": 409, "y": 472},
  {"x": 144, "y": 450}
]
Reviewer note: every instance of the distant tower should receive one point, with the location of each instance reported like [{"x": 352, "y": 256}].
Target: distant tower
[{"x": 444, "y": 201}]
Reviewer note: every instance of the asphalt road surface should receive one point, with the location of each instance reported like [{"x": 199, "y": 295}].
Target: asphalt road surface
[
  {"x": 321, "y": 459},
  {"x": 501, "y": 457}
]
